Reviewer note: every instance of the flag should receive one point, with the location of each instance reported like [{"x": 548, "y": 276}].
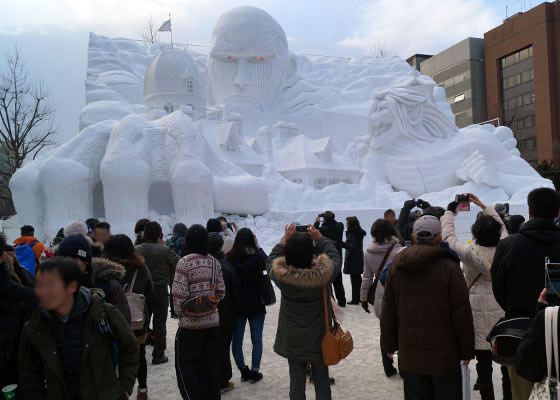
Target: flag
[{"x": 165, "y": 27}]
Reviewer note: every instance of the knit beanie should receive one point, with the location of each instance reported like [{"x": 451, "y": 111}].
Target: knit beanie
[
  {"x": 76, "y": 227},
  {"x": 214, "y": 225},
  {"x": 75, "y": 246},
  {"x": 179, "y": 229},
  {"x": 215, "y": 242},
  {"x": 27, "y": 230}
]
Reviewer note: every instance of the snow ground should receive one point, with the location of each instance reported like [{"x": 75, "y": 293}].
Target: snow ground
[{"x": 360, "y": 377}]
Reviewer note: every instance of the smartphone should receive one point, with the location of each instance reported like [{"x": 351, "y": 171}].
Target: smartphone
[
  {"x": 463, "y": 203},
  {"x": 552, "y": 282},
  {"x": 302, "y": 228}
]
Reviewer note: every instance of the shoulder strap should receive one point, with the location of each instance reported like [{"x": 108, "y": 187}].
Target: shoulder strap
[
  {"x": 326, "y": 308},
  {"x": 33, "y": 243},
  {"x": 131, "y": 287},
  {"x": 213, "y": 270},
  {"x": 377, "y": 274},
  {"x": 548, "y": 339},
  {"x": 554, "y": 329},
  {"x": 474, "y": 281}
]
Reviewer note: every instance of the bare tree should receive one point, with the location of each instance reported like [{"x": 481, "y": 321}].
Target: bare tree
[
  {"x": 379, "y": 50},
  {"x": 25, "y": 121},
  {"x": 149, "y": 33}
]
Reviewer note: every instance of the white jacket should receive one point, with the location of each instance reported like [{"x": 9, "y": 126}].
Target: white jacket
[{"x": 477, "y": 260}]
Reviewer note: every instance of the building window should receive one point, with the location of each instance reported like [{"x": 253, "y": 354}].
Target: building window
[
  {"x": 334, "y": 181},
  {"x": 514, "y": 58},
  {"x": 518, "y": 79},
  {"x": 190, "y": 86},
  {"x": 459, "y": 98},
  {"x": 319, "y": 183},
  {"x": 297, "y": 180},
  {"x": 524, "y": 122},
  {"x": 348, "y": 181},
  {"x": 527, "y": 144},
  {"x": 168, "y": 108},
  {"x": 518, "y": 101}
]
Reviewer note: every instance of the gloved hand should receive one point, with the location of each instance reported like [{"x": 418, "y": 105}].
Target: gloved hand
[
  {"x": 410, "y": 204},
  {"x": 422, "y": 204},
  {"x": 453, "y": 207}
]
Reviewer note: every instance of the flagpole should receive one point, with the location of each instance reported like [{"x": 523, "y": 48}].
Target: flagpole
[{"x": 171, "y": 31}]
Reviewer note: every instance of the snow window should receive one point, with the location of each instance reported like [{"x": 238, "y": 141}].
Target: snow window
[
  {"x": 348, "y": 181},
  {"x": 297, "y": 180},
  {"x": 231, "y": 145},
  {"x": 333, "y": 181},
  {"x": 190, "y": 86},
  {"x": 319, "y": 183},
  {"x": 168, "y": 108}
]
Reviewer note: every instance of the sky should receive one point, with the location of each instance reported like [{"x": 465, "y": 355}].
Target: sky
[{"x": 52, "y": 35}]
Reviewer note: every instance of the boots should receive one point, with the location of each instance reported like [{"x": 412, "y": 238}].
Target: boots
[
  {"x": 245, "y": 374},
  {"x": 486, "y": 391}
]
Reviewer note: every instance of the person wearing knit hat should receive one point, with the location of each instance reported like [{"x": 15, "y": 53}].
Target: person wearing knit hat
[
  {"x": 97, "y": 273},
  {"x": 76, "y": 227}
]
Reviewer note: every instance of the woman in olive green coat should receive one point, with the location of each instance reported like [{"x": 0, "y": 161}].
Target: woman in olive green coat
[{"x": 301, "y": 269}]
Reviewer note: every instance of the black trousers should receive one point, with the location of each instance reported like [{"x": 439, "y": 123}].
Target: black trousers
[
  {"x": 158, "y": 302},
  {"x": 298, "y": 380},
  {"x": 356, "y": 280},
  {"x": 226, "y": 335},
  {"x": 339, "y": 289},
  {"x": 197, "y": 363},
  {"x": 483, "y": 366},
  {"x": 142, "y": 369},
  {"x": 430, "y": 387}
]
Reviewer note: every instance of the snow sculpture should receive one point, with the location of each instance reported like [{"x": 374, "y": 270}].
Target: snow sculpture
[
  {"x": 416, "y": 147},
  {"x": 249, "y": 62},
  {"x": 173, "y": 80}
]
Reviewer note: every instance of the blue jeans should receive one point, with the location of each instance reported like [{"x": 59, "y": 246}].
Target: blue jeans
[{"x": 257, "y": 325}]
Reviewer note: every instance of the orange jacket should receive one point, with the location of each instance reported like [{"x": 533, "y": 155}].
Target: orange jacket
[{"x": 37, "y": 249}]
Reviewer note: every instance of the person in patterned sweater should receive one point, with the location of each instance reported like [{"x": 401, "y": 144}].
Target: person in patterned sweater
[{"x": 197, "y": 343}]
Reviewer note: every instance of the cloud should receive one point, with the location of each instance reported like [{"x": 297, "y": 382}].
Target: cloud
[{"x": 419, "y": 26}]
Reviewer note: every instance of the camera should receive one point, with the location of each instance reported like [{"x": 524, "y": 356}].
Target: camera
[
  {"x": 463, "y": 202},
  {"x": 322, "y": 215},
  {"x": 302, "y": 228}
]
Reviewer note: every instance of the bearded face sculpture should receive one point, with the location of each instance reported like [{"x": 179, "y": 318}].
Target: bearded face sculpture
[{"x": 249, "y": 59}]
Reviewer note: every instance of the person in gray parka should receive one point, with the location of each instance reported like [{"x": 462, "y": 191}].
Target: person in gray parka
[{"x": 301, "y": 265}]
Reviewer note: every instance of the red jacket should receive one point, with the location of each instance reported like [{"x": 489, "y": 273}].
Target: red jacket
[{"x": 37, "y": 249}]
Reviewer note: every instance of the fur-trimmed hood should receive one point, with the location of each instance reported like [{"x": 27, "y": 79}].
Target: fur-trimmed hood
[
  {"x": 106, "y": 269},
  {"x": 318, "y": 275}
]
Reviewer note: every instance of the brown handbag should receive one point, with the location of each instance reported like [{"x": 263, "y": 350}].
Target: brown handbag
[
  {"x": 337, "y": 344},
  {"x": 373, "y": 287},
  {"x": 201, "y": 306}
]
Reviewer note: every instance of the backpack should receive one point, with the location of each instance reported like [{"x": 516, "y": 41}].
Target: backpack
[
  {"x": 136, "y": 304},
  {"x": 173, "y": 244},
  {"x": 26, "y": 256}
]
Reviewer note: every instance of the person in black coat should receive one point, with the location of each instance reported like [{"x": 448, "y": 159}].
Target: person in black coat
[
  {"x": 227, "y": 308},
  {"x": 354, "y": 256},
  {"x": 16, "y": 301},
  {"x": 120, "y": 249},
  {"x": 333, "y": 230},
  {"x": 249, "y": 261},
  {"x": 518, "y": 272},
  {"x": 530, "y": 359}
]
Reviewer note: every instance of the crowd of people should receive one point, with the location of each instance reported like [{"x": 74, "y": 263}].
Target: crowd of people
[{"x": 77, "y": 316}]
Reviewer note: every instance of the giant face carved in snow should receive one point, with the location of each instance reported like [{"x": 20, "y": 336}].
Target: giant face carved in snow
[{"x": 249, "y": 59}]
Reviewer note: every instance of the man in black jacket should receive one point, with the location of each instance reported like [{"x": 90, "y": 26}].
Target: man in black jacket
[
  {"x": 333, "y": 230},
  {"x": 518, "y": 274},
  {"x": 16, "y": 301}
]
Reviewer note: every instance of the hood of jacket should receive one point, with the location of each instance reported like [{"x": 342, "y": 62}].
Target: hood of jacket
[
  {"x": 418, "y": 257},
  {"x": 318, "y": 275},
  {"x": 26, "y": 240},
  {"x": 375, "y": 247},
  {"x": 106, "y": 269},
  {"x": 133, "y": 264},
  {"x": 541, "y": 230},
  {"x": 82, "y": 301}
]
